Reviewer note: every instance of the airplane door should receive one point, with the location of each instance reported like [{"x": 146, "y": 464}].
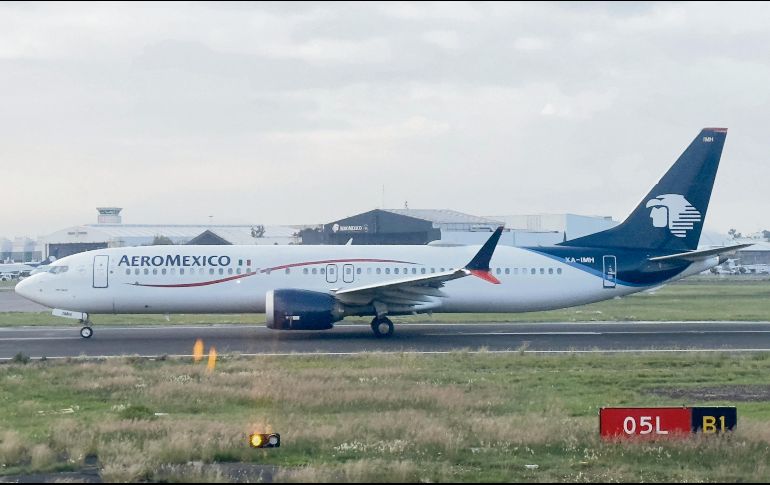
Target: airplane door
[
  {"x": 610, "y": 272},
  {"x": 348, "y": 273},
  {"x": 101, "y": 271},
  {"x": 331, "y": 273}
]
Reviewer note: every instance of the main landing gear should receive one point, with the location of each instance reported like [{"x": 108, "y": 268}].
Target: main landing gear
[{"x": 382, "y": 327}]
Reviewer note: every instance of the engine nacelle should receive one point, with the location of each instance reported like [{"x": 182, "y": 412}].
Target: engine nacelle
[{"x": 301, "y": 310}]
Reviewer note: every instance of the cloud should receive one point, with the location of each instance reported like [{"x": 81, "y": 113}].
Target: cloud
[{"x": 301, "y": 112}]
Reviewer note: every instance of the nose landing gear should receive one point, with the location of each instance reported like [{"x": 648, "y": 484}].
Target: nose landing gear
[
  {"x": 382, "y": 327},
  {"x": 86, "y": 332}
]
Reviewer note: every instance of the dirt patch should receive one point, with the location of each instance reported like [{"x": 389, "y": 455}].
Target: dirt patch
[{"x": 745, "y": 393}]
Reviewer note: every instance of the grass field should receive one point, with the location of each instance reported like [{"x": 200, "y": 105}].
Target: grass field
[
  {"x": 699, "y": 300},
  {"x": 457, "y": 417}
]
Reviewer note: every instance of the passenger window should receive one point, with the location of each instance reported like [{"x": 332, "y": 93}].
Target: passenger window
[
  {"x": 550, "y": 270},
  {"x": 507, "y": 270},
  {"x": 406, "y": 270},
  {"x": 146, "y": 271},
  {"x": 442, "y": 270},
  {"x": 221, "y": 271},
  {"x": 238, "y": 270},
  {"x": 558, "y": 270},
  {"x": 379, "y": 270},
  {"x": 288, "y": 270},
  {"x": 173, "y": 271},
  {"x": 348, "y": 271},
  {"x": 395, "y": 271},
  {"x": 414, "y": 270},
  {"x": 422, "y": 270},
  {"x": 433, "y": 270},
  {"x": 358, "y": 270},
  {"x": 163, "y": 271},
  {"x": 128, "y": 271},
  {"x": 229, "y": 270},
  {"x": 155, "y": 271},
  {"x": 136, "y": 271},
  {"x": 387, "y": 270},
  {"x": 499, "y": 271},
  {"x": 304, "y": 270},
  {"x": 542, "y": 270},
  {"x": 323, "y": 270},
  {"x": 211, "y": 270},
  {"x": 314, "y": 271},
  {"x": 181, "y": 270}
]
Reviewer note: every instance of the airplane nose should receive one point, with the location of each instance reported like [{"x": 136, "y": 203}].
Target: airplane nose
[{"x": 25, "y": 288}]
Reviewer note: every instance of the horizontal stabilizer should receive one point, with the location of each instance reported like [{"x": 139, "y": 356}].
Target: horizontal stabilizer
[{"x": 701, "y": 254}]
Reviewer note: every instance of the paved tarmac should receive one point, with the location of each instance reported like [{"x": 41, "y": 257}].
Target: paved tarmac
[
  {"x": 11, "y": 302},
  {"x": 53, "y": 342}
]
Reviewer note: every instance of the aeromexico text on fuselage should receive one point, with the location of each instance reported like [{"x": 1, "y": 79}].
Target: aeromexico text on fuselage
[{"x": 175, "y": 260}]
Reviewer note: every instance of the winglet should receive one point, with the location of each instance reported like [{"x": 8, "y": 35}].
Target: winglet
[{"x": 479, "y": 265}]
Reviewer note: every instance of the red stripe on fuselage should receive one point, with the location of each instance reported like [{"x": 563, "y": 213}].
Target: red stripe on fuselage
[
  {"x": 333, "y": 261},
  {"x": 204, "y": 283}
]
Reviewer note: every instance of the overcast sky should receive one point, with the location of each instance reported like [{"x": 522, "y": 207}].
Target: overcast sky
[{"x": 300, "y": 113}]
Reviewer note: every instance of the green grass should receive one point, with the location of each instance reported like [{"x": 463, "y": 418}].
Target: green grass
[
  {"x": 699, "y": 300},
  {"x": 456, "y": 417}
]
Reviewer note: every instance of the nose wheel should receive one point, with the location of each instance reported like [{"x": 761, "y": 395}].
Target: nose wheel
[
  {"x": 382, "y": 327},
  {"x": 86, "y": 332}
]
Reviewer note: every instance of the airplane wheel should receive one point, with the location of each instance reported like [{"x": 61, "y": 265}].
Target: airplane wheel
[
  {"x": 86, "y": 332},
  {"x": 382, "y": 327}
]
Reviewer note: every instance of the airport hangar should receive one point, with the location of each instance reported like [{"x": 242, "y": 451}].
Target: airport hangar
[
  {"x": 110, "y": 232},
  {"x": 390, "y": 226}
]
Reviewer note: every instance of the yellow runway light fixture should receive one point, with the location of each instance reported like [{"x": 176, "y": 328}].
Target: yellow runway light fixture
[
  {"x": 265, "y": 440},
  {"x": 198, "y": 350},
  {"x": 212, "y": 359}
]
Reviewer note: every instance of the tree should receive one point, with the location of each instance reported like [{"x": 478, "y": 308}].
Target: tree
[
  {"x": 160, "y": 240},
  {"x": 766, "y": 235},
  {"x": 734, "y": 234}
]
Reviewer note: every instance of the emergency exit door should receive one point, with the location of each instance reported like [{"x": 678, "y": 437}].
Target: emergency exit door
[
  {"x": 101, "y": 271},
  {"x": 610, "y": 271}
]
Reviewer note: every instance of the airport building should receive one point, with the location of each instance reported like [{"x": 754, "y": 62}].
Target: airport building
[
  {"x": 448, "y": 227},
  {"x": 20, "y": 250},
  {"x": 110, "y": 232}
]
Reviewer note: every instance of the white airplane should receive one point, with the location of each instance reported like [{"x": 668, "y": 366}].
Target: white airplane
[
  {"x": 16, "y": 268},
  {"x": 312, "y": 287}
]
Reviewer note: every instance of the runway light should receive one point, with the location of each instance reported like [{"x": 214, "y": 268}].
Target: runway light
[
  {"x": 265, "y": 440},
  {"x": 198, "y": 350},
  {"x": 212, "y": 360}
]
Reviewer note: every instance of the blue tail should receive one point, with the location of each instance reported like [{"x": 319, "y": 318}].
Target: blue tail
[{"x": 671, "y": 216}]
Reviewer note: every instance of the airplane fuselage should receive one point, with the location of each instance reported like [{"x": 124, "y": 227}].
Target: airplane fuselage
[{"x": 235, "y": 279}]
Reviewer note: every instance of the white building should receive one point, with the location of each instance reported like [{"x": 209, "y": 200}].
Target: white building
[{"x": 110, "y": 232}]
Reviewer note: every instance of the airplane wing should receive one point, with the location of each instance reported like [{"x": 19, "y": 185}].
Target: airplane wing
[
  {"x": 419, "y": 292},
  {"x": 701, "y": 254}
]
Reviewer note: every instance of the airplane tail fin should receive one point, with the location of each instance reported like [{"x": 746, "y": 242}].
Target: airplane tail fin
[{"x": 671, "y": 216}]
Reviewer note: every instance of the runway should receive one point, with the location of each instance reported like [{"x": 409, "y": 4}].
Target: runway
[{"x": 59, "y": 342}]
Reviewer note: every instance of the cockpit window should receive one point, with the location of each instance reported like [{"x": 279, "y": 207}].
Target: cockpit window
[{"x": 58, "y": 269}]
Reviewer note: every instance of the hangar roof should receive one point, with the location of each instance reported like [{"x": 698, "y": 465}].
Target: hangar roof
[
  {"x": 443, "y": 216},
  {"x": 138, "y": 234}
]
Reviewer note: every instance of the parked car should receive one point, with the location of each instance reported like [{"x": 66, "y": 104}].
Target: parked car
[{"x": 6, "y": 277}]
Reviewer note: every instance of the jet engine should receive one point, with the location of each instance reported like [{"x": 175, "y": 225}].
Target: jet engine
[{"x": 301, "y": 310}]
